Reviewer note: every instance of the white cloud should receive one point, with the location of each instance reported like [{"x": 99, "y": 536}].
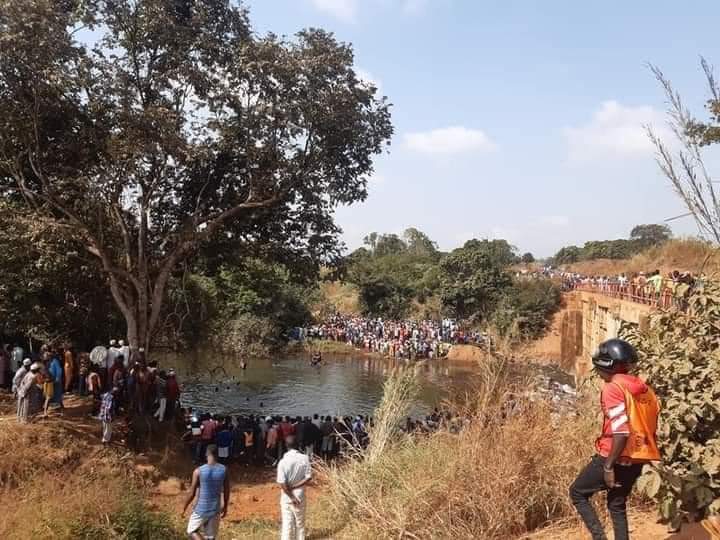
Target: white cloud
[
  {"x": 345, "y": 10},
  {"x": 614, "y": 131},
  {"x": 368, "y": 77},
  {"x": 449, "y": 140}
]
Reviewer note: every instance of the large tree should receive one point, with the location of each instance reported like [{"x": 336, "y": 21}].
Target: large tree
[{"x": 171, "y": 125}]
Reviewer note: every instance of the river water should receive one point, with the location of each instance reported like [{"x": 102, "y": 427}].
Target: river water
[{"x": 343, "y": 385}]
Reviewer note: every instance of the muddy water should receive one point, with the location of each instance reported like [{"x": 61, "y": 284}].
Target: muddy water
[{"x": 290, "y": 385}]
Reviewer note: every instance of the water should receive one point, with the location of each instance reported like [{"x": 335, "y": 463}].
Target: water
[{"x": 341, "y": 386}]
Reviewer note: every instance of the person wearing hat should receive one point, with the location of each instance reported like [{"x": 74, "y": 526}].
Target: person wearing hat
[
  {"x": 19, "y": 374},
  {"x": 29, "y": 394},
  {"x": 630, "y": 412}
]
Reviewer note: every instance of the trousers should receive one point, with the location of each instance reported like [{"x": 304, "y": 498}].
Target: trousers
[
  {"x": 293, "y": 520},
  {"x": 160, "y": 413},
  {"x": 106, "y": 431},
  {"x": 590, "y": 481}
]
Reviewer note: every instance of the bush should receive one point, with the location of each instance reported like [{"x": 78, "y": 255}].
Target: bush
[
  {"x": 498, "y": 478},
  {"x": 680, "y": 358},
  {"x": 133, "y": 520},
  {"x": 525, "y": 309}
]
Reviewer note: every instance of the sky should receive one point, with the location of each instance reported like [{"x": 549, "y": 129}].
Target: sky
[{"x": 522, "y": 120}]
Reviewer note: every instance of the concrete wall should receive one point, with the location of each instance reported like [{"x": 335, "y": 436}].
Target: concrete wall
[{"x": 589, "y": 320}]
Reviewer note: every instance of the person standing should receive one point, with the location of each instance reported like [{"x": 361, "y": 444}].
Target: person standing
[
  {"x": 107, "y": 414},
  {"x": 83, "y": 372},
  {"x": 630, "y": 412},
  {"x": 112, "y": 354},
  {"x": 211, "y": 484},
  {"x": 28, "y": 395},
  {"x": 125, "y": 351},
  {"x": 56, "y": 374},
  {"x": 173, "y": 393},
  {"x": 293, "y": 474},
  {"x": 20, "y": 374},
  {"x": 69, "y": 369},
  {"x": 162, "y": 396}
]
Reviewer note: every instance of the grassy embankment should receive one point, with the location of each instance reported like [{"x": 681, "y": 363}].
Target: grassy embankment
[
  {"x": 500, "y": 477},
  {"x": 56, "y": 482},
  {"x": 684, "y": 255}
]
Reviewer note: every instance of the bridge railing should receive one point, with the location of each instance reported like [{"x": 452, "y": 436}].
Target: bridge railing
[{"x": 639, "y": 294}]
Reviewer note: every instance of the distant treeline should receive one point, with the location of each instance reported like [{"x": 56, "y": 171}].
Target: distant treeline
[
  {"x": 641, "y": 238},
  {"x": 407, "y": 276}
]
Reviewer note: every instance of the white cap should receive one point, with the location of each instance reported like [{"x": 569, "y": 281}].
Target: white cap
[
  {"x": 27, "y": 362},
  {"x": 113, "y": 342},
  {"x": 121, "y": 342},
  {"x": 36, "y": 366},
  {"x": 268, "y": 418}
]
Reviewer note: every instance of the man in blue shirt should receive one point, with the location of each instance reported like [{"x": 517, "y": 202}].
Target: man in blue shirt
[{"x": 211, "y": 484}]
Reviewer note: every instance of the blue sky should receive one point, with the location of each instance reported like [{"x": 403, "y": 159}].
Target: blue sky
[{"x": 517, "y": 119}]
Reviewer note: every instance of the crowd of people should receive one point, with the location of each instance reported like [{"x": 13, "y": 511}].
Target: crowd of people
[
  {"x": 119, "y": 382},
  {"x": 395, "y": 339},
  {"x": 652, "y": 287},
  {"x": 261, "y": 440}
]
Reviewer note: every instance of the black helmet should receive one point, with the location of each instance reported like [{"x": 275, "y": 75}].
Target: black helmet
[{"x": 614, "y": 353}]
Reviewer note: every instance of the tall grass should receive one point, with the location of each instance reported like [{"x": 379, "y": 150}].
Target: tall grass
[
  {"x": 55, "y": 482},
  {"x": 505, "y": 474}
]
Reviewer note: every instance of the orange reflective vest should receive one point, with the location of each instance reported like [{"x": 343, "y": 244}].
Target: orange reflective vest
[{"x": 642, "y": 413}]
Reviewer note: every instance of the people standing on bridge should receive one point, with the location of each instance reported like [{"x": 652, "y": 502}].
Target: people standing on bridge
[
  {"x": 211, "y": 484},
  {"x": 293, "y": 474},
  {"x": 627, "y": 441}
]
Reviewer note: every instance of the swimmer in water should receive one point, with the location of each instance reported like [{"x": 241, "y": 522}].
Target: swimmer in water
[{"x": 316, "y": 359}]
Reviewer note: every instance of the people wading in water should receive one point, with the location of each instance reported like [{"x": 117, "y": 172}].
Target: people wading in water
[{"x": 316, "y": 359}]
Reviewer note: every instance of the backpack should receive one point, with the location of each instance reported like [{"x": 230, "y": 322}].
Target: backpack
[{"x": 642, "y": 412}]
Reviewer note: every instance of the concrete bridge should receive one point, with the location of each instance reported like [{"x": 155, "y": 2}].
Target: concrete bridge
[{"x": 590, "y": 318}]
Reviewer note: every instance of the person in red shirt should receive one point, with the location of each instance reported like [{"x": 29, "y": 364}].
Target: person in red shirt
[{"x": 610, "y": 470}]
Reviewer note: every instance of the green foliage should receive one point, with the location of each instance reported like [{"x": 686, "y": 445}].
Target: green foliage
[
  {"x": 525, "y": 308},
  {"x": 650, "y": 235},
  {"x": 241, "y": 306},
  {"x": 49, "y": 290},
  {"x": 527, "y": 258},
  {"x": 393, "y": 272},
  {"x": 472, "y": 278},
  {"x": 179, "y": 128},
  {"x": 132, "y": 521},
  {"x": 680, "y": 357},
  {"x": 568, "y": 255},
  {"x": 641, "y": 237}
]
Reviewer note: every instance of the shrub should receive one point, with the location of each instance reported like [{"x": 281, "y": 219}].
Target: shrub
[
  {"x": 524, "y": 309},
  {"x": 680, "y": 358},
  {"x": 498, "y": 478}
]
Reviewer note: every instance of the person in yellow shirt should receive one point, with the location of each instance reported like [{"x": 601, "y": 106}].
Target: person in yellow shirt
[{"x": 69, "y": 368}]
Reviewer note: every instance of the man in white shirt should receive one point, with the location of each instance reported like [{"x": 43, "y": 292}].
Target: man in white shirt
[
  {"x": 293, "y": 473},
  {"x": 125, "y": 351},
  {"x": 112, "y": 354}
]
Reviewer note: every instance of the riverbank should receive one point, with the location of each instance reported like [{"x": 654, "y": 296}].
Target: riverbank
[{"x": 73, "y": 487}]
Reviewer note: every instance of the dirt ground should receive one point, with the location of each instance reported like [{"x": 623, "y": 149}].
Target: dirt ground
[{"x": 167, "y": 467}]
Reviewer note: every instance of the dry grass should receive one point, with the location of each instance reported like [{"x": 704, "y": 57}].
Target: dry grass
[
  {"x": 495, "y": 479},
  {"x": 64, "y": 486},
  {"x": 339, "y": 297},
  {"x": 691, "y": 255}
]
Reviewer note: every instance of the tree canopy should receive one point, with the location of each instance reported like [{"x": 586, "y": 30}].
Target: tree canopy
[{"x": 179, "y": 128}]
